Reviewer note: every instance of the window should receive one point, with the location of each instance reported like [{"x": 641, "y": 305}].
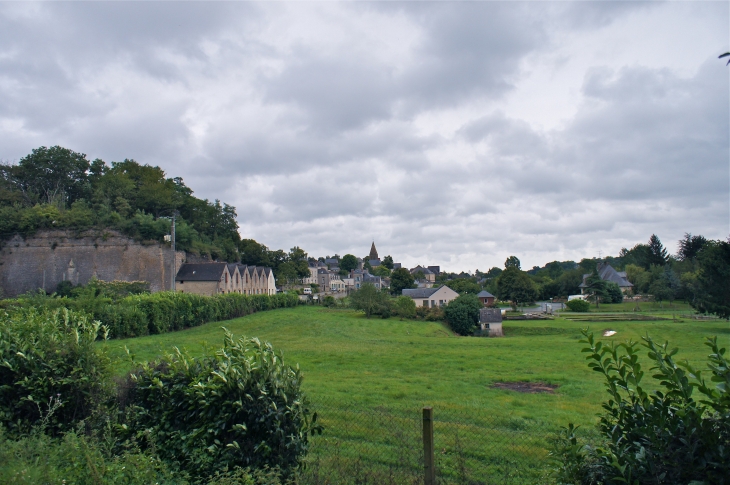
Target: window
[
  {"x": 425, "y": 303},
  {"x": 226, "y": 278},
  {"x": 433, "y": 304}
]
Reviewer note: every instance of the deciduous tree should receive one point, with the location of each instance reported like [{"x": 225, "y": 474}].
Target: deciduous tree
[
  {"x": 400, "y": 280},
  {"x": 348, "y": 262}
]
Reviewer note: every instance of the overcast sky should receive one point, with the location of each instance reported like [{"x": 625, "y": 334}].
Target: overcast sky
[{"x": 449, "y": 133}]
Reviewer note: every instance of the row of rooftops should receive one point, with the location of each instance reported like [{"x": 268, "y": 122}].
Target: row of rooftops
[{"x": 213, "y": 271}]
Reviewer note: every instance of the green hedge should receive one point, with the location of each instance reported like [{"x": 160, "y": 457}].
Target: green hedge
[
  {"x": 156, "y": 313},
  {"x": 51, "y": 373}
]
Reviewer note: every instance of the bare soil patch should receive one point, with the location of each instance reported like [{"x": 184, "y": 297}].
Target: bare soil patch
[{"x": 527, "y": 387}]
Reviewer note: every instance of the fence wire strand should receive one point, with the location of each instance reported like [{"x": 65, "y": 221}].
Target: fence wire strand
[{"x": 384, "y": 445}]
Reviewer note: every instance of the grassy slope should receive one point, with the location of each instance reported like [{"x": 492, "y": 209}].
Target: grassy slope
[{"x": 346, "y": 358}]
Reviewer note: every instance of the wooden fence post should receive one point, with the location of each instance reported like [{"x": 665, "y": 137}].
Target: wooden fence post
[{"x": 428, "y": 457}]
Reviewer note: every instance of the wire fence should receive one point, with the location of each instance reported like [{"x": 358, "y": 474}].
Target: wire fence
[{"x": 385, "y": 445}]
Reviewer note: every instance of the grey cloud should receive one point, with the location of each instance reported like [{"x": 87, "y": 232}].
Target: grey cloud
[{"x": 327, "y": 149}]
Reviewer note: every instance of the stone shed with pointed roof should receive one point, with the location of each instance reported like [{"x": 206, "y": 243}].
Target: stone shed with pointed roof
[{"x": 207, "y": 279}]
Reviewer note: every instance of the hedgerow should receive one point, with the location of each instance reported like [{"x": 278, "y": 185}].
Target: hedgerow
[{"x": 155, "y": 313}]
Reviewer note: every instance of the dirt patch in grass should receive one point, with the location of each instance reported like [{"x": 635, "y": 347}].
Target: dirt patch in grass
[{"x": 526, "y": 387}]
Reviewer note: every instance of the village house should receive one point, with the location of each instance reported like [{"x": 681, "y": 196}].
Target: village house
[
  {"x": 206, "y": 279},
  {"x": 607, "y": 273},
  {"x": 486, "y": 298},
  {"x": 431, "y": 297},
  {"x": 427, "y": 280}
]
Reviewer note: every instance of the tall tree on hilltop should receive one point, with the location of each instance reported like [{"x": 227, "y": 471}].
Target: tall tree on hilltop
[
  {"x": 690, "y": 246},
  {"x": 512, "y": 262},
  {"x": 658, "y": 253},
  {"x": 50, "y": 175}
]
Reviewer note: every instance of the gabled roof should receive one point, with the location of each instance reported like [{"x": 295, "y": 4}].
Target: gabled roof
[
  {"x": 607, "y": 273},
  {"x": 485, "y": 294},
  {"x": 200, "y": 272},
  {"x": 232, "y": 268},
  {"x": 423, "y": 270},
  {"x": 420, "y": 292}
]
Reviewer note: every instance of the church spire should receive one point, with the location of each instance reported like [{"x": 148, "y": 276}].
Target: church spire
[{"x": 373, "y": 252}]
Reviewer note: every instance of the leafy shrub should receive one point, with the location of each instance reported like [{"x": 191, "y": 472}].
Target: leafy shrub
[
  {"x": 49, "y": 358},
  {"x": 462, "y": 313},
  {"x": 240, "y": 407},
  {"x": 435, "y": 314},
  {"x": 578, "y": 305},
  {"x": 371, "y": 301},
  {"x": 405, "y": 307},
  {"x": 661, "y": 436},
  {"x": 329, "y": 301},
  {"x": 78, "y": 459},
  {"x": 613, "y": 293}
]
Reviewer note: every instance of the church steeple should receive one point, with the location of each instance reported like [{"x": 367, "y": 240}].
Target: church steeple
[{"x": 373, "y": 252}]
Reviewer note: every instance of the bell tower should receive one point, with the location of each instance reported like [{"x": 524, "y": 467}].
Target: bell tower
[{"x": 373, "y": 252}]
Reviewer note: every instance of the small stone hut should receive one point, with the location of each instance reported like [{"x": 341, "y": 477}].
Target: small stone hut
[{"x": 490, "y": 322}]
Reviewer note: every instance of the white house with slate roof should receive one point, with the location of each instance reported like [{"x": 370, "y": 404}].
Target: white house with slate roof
[
  {"x": 607, "y": 273},
  {"x": 431, "y": 297}
]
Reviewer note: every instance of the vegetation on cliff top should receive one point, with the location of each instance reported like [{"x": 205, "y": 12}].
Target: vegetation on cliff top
[{"x": 57, "y": 188}]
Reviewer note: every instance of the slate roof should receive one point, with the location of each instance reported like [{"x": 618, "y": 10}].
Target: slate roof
[
  {"x": 607, "y": 273},
  {"x": 200, "y": 272},
  {"x": 425, "y": 271},
  {"x": 420, "y": 292},
  {"x": 485, "y": 294}
]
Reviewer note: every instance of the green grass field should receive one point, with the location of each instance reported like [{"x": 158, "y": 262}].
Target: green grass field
[{"x": 357, "y": 369}]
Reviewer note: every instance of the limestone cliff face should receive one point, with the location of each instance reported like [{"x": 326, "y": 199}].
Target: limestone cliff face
[{"x": 49, "y": 257}]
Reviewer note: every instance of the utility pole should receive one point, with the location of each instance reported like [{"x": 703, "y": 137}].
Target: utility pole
[
  {"x": 174, "y": 254},
  {"x": 171, "y": 238}
]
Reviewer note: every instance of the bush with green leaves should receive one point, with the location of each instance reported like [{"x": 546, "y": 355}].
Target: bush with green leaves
[
  {"x": 78, "y": 459},
  {"x": 404, "y": 307},
  {"x": 435, "y": 314},
  {"x": 662, "y": 436},
  {"x": 462, "y": 313},
  {"x": 372, "y": 301},
  {"x": 578, "y": 305},
  {"x": 48, "y": 359},
  {"x": 242, "y": 406},
  {"x": 613, "y": 293}
]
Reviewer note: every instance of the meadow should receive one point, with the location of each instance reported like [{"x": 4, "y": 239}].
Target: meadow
[{"x": 369, "y": 379}]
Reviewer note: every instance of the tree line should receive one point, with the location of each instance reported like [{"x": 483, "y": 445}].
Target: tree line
[
  {"x": 58, "y": 188},
  {"x": 698, "y": 273}
]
